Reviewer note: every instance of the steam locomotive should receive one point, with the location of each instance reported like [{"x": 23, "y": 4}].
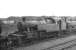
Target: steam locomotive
[
  {"x": 37, "y": 28},
  {"x": 41, "y": 27}
]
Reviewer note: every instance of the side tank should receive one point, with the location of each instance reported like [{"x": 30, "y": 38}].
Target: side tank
[{"x": 52, "y": 26}]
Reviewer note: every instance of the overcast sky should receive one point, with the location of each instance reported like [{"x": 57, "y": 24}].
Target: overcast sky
[{"x": 37, "y": 8}]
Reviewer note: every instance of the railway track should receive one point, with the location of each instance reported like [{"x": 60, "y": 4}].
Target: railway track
[
  {"x": 42, "y": 40},
  {"x": 38, "y": 41},
  {"x": 63, "y": 46}
]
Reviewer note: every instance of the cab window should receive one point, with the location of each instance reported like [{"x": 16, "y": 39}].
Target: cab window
[{"x": 50, "y": 21}]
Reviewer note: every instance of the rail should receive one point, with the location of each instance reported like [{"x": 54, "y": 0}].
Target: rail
[{"x": 63, "y": 46}]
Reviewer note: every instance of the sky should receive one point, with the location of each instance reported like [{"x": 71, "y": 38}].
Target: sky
[{"x": 37, "y": 8}]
